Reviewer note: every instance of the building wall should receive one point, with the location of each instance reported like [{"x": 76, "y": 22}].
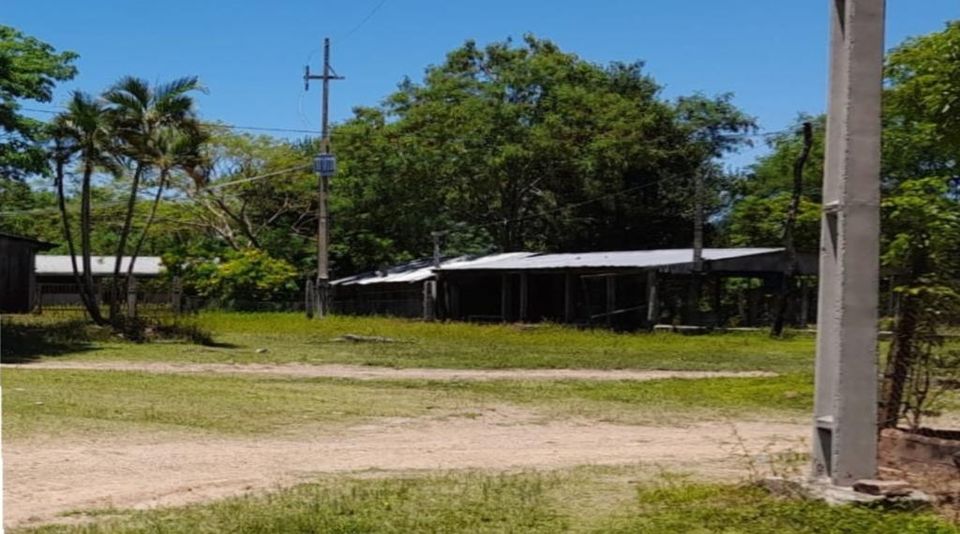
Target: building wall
[{"x": 16, "y": 275}]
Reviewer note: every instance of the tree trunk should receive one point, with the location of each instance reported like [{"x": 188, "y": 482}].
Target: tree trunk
[
  {"x": 146, "y": 226},
  {"x": 900, "y": 360},
  {"x": 68, "y": 236},
  {"x": 789, "y": 242},
  {"x": 122, "y": 243},
  {"x": 93, "y": 303}
]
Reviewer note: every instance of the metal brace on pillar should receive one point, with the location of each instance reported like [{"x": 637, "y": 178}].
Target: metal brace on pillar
[{"x": 845, "y": 420}]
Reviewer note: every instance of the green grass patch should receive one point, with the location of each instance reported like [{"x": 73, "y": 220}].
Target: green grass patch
[
  {"x": 655, "y": 401},
  {"x": 580, "y": 500},
  {"x": 41, "y": 401},
  {"x": 54, "y": 401},
  {"x": 290, "y": 337}
]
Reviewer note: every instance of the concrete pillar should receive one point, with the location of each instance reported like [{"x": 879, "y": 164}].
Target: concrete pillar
[
  {"x": 653, "y": 298},
  {"x": 845, "y": 424}
]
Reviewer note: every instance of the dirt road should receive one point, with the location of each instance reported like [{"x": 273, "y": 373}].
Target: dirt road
[
  {"x": 43, "y": 479},
  {"x": 361, "y": 372}
]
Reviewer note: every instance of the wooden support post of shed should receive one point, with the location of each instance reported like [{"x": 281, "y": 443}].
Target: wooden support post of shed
[
  {"x": 568, "y": 303},
  {"x": 653, "y": 298},
  {"x": 611, "y": 297},
  {"x": 429, "y": 300},
  {"x": 131, "y": 297},
  {"x": 453, "y": 294},
  {"x": 524, "y": 297},
  {"x": 718, "y": 318},
  {"x": 505, "y": 297}
]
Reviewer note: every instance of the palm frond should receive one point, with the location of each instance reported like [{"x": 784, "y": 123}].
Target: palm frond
[{"x": 177, "y": 87}]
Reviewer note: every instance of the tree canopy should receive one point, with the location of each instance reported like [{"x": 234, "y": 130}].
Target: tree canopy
[{"x": 29, "y": 70}]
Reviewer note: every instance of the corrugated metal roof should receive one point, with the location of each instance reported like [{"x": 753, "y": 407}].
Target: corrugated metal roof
[
  {"x": 420, "y": 270},
  {"x": 639, "y": 259},
  {"x": 102, "y": 265}
]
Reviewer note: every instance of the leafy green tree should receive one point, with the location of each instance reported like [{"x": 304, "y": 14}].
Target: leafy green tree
[
  {"x": 922, "y": 246},
  {"x": 29, "y": 70},
  {"x": 254, "y": 192},
  {"x": 922, "y": 109},
  {"x": 525, "y": 146},
  {"x": 248, "y": 275}
]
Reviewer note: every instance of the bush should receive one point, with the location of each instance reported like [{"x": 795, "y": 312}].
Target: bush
[{"x": 248, "y": 275}]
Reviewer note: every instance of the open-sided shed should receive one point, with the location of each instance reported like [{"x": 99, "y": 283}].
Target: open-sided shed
[{"x": 626, "y": 288}]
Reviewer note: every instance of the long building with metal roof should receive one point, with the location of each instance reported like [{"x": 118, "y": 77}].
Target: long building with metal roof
[{"x": 615, "y": 287}]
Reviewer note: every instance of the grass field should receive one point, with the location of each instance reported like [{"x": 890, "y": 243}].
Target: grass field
[
  {"x": 582, "y": 500},
  {"x": 290, "y": 337},
  {"x": 54, "y": 402},
  {"x": 47, "y": 407}
]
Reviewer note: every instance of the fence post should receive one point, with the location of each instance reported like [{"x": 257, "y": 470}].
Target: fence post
[
  {"x": 430, "y": 300},
  {"x": 132, "y": 297},
  {"x": 176, "y": 297}
]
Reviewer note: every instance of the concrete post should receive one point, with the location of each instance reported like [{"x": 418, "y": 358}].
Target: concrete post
[{"x": 845, "y": 425}]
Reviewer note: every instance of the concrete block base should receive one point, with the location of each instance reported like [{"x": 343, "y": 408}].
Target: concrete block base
[{"x": 823, "y": 490}]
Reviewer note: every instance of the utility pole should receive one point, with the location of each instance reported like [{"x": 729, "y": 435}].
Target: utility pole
[
  {"x": 696, "y": 275},
  {"x": 325, "y": 166},
  {"x": 437, "y": 239},
  {"x": 845, "y": 406}
]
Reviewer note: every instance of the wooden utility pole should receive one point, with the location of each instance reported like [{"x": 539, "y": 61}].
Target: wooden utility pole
[
  {"x": 324, "y": 166},
  {"x": 693, "y": 298}
]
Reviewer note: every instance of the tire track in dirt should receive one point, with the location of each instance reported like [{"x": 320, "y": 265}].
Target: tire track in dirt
[
  {"x": 360, "y": 372},
  {"x": 45, "y": 478}
]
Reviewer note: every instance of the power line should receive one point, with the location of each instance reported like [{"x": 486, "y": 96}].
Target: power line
[
  {"x": 360, "y": 24},
  {"x": 105, "y": 205},
  {"x": 215, "y": 124},
  {"x": 255, "y": 178},
  {"x": 766, "y": 134}
]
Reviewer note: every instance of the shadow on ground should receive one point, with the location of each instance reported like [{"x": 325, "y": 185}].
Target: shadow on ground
[{"x": 26, "y": 342}]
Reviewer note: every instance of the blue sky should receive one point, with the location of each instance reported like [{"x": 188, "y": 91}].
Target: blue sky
[{"x": 250, "y": 54}]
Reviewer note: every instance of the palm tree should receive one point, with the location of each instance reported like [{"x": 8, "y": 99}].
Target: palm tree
[
  {"x": 83, "y": 131},
  {"x": 175, "y": 148},
  {"x": 140, "y": 113}
]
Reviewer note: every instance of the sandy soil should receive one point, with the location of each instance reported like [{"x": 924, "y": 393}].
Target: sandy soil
[
  {"x": 44, "y": 478},
  {"x": 360, "y": 372}
]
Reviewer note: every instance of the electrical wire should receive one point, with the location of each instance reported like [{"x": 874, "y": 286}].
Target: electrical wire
[
  {"x": 766, "y": 134},
  {"x": 360, "y": 24},
  {"x": 214, "y": 124},
  {"x": 212, "y": 187},
  {"x": 221, "y": 185}
]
